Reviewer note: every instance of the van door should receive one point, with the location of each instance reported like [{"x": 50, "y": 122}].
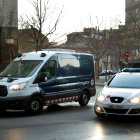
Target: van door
[
  {"x": 68, "y": 75},
  {"x": 47, "y": 79}
]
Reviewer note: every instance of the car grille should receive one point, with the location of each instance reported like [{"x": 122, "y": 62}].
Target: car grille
[
  {"x": 116, "y": 111},
  {"x": 3, "y": 91},
  {"x": 116, "y": 99}
]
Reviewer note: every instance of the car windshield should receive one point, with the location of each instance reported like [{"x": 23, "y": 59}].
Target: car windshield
[
  {"x": 125, "y": 81},
  {"x": 22, "y": 68}
]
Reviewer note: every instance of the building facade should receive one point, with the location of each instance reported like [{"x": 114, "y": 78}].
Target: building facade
[
  {"x": 132, "y": 12},
  {"x": 27, "y": 41},
  {"x": 132, "y": 33},
  {"x": 8, "y": 31}
]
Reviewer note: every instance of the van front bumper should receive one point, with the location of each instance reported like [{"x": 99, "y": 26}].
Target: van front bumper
[{"x": 14, "y": 102}]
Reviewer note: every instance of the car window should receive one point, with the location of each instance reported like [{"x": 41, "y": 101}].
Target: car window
[{"x": 125, "y": 81}]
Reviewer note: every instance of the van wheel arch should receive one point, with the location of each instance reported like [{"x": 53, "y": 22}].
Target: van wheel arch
[{"x": 84, "y": 98}]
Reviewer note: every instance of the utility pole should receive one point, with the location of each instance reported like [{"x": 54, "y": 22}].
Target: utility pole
[
  {"x": 40, "y": 25},
  {"x": 0, "y": 49}
]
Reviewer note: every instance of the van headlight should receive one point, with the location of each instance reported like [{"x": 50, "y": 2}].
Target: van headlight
[
  {"x": 135, "y": 100},
  {"x": 17, "y": 87},
  {"x": 100, "y": 97}
]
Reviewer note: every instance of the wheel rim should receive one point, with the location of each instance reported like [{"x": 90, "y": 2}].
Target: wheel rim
[
  {"x": 85, "y": 98},
  {"x": 35, "y": 105}
]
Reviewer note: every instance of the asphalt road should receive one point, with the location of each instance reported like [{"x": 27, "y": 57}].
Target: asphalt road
[{"x": 67, "y": 122}]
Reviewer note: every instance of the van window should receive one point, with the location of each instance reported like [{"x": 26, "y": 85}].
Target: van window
[
  {"x": 49, "y": 69},
  {"x": 69, "y": 65},
  {"x": 86, "y": 63},
  {"x": 22, "y": 68}
]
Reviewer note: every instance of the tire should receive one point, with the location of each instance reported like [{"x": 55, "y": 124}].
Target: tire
[
  {"x": 34, "y": 106},
  {"x": 84, "y": 99},
  {"x": 2, "y": 110}
]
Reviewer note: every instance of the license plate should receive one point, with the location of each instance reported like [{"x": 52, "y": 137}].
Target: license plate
[{"x": 115, "y": 106}]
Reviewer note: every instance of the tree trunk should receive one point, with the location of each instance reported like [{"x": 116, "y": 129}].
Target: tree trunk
[{"x": 97, "y": 68}]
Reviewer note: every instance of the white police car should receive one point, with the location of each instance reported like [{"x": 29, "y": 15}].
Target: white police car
[{"x": 120, "y": 95}]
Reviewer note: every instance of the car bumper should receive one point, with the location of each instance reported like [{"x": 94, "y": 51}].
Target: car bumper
[
  {"x": 128, "y": 110},
  {"x": 14, "y": 102}
]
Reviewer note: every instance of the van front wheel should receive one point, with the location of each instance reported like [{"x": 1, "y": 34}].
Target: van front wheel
[
  {"x": 84, "y": 99},
  {"x": 2, "y": 110},
  {"x": 34, "y": 106}
]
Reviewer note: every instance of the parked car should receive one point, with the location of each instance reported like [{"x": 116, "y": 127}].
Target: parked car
[
  {"x": 120, "y": 95},
  {"x": 106, "y": 72}
]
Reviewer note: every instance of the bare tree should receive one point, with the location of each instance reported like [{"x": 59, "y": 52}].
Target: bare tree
[
  {"x": 130, "y": 37},
  {"x": 94, "y": 40},
  {"x": 41, "y": 23},
  {"x": 102, "y": 43},
  {"x": 98, "y": 43}
]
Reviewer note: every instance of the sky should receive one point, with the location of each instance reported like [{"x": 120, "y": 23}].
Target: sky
[{"x": 79, "y": 14}]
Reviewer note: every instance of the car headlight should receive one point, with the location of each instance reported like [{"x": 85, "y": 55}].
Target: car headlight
[
  {"x": 135, "y": 100},
  {"x": 17, "y": 87},
  {"x": 100, "y": 97}
]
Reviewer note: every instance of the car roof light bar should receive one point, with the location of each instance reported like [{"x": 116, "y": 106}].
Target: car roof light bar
[
  {"x": 131, "y": 70},
  {"x": 57, "y": 49}
]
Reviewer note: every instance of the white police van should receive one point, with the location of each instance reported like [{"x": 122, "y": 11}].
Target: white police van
[{"x": 47, "y": 77}]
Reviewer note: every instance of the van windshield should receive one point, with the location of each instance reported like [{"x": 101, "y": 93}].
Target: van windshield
[{"x": 22, "y": 68}]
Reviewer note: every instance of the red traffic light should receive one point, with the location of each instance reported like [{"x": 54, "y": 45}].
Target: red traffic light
[{"x": 126, "y": 54}]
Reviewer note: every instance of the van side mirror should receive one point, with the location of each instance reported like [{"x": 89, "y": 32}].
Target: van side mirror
[
  {"x": 46, "y": 78},
  {"x": 41, "y": 77}
]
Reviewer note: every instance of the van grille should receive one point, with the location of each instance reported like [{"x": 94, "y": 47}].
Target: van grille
[{"x": 3, "y": 91}]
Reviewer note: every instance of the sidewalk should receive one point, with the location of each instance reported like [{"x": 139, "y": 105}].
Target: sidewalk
[{"x": 100, "y": 82}]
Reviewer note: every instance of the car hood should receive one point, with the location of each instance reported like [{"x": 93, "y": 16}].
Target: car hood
[{"x": 126, "y": 93}]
